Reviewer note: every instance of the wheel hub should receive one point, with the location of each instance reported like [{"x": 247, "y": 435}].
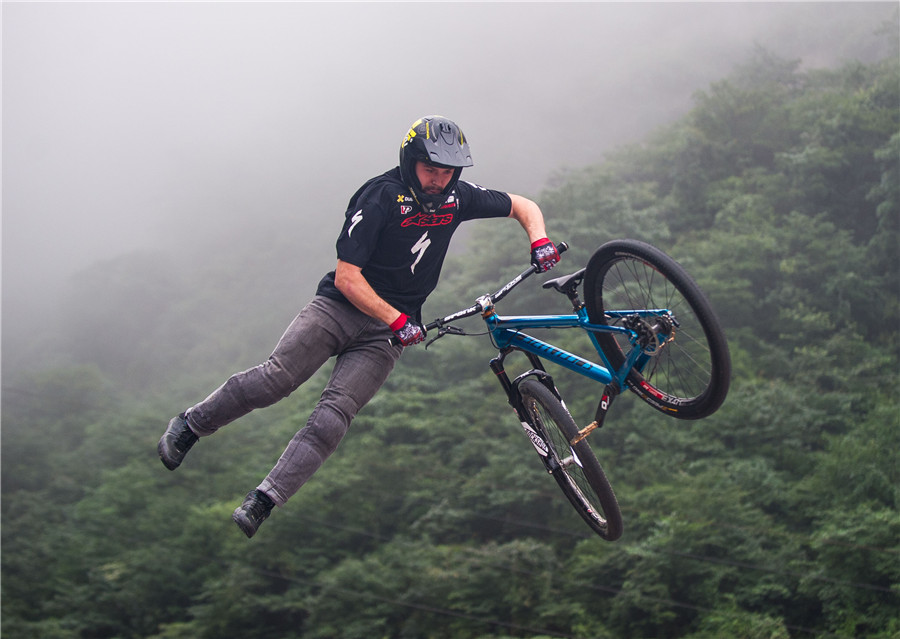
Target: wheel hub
[{"x": 652, "y": 333}]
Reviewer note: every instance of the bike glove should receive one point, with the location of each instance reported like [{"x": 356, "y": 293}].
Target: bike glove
[
  {"x": 544, "y": 255},
  {"x": 407, "y": 330}
]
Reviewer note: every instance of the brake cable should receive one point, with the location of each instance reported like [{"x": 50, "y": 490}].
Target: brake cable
[{"x": 452, "y": 330}]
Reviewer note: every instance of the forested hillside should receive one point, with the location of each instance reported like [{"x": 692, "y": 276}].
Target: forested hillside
[{"x": 776, "y": 517}]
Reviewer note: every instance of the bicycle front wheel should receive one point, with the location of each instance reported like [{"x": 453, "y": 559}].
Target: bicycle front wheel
[
  {"x": 575, "y": 467},
  {"x": 685, "y": 370}
]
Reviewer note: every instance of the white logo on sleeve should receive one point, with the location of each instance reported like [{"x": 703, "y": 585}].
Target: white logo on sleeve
[
  {"x": 419, "y": 249},
  {"x": 356, "y": 219}
]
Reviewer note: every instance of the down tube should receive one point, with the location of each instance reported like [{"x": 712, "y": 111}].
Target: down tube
[{"x": 552, "y": 354}]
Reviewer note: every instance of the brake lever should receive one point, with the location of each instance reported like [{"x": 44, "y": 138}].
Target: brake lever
[{"x": 453, "y": 330}]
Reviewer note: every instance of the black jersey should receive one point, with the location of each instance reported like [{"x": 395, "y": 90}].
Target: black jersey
[{"x": 399, "y": 248}]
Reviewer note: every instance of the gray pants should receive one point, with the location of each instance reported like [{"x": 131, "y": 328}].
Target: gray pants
[{"x": 325, "y": 328}]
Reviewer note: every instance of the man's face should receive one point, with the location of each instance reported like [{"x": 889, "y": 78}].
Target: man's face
[{"x": 434, "y": 179}]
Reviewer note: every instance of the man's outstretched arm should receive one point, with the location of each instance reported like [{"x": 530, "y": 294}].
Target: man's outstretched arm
[
  {"x": 529, "y": 215},
  {"x": 543, "y": 252}
]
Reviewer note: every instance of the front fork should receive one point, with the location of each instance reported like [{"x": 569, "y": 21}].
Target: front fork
[{"x": 510, "y": 387}]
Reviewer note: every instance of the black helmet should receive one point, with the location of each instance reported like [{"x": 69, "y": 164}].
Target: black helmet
[{"x": 436, "y": 140}]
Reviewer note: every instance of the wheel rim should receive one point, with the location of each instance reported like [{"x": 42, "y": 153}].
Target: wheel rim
[
  {"x": 570, "y": 467},
  {"x": 681, "y": 367}
]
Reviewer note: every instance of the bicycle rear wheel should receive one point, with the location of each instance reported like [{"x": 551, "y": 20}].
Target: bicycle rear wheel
[
  {"x": 686, "y": 371},
  {"x": 575, "y": 468}
]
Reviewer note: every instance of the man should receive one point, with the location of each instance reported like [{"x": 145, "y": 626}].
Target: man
[{"x": 389, "y": 256}]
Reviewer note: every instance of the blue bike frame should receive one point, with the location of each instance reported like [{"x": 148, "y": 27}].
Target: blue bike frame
[{"x": 506, "y": 333}]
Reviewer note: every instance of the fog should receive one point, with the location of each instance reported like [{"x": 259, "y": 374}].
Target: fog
[{"x": 130, "y": 126}]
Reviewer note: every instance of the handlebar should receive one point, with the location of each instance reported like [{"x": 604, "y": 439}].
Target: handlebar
[{"x": 485, "y": 301}]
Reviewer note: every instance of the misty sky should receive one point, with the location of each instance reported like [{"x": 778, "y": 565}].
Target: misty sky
[{"x": 135, "y": 125}]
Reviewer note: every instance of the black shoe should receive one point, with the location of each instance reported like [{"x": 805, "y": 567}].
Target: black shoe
[
  {"x": 253, "y": 512},
  {"x": 176, "y": 442}
]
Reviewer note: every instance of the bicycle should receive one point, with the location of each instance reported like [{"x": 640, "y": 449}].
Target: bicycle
[{"x": 656, "y": 335}]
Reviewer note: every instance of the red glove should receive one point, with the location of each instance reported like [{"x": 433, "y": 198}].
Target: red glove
[
  {"x": 407, "y": 330},
  {"x": 544, "y": 255}
]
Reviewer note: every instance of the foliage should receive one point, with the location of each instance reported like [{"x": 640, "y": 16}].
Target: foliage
[{"x": 777, "y": 517}]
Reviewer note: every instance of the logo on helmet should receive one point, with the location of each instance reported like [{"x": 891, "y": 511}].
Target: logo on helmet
[{"x": 411, "y": 133}]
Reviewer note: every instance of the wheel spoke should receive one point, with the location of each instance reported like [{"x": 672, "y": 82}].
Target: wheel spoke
[
  {"x": 688, "y": 374},
  {"x": 577, "y": 473}
]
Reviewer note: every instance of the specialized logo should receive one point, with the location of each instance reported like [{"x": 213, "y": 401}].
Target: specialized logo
[
  {"x": 419, "y": 249},
  {"x": 356, "y": 219},
  {"x": 425, "y": 219}
]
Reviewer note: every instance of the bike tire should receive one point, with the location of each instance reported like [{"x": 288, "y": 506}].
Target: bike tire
[
  {"x": 688, "y": 377},
  {"x": 575, "y": 468}
]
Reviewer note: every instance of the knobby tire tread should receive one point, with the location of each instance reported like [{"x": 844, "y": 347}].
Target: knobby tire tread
[
  {"x": 624, "y": 252},
  {"x": 607, "y": 520}
]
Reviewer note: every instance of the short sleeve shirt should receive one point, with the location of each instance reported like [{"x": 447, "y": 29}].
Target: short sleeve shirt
[{"x": 399, "y": 248}]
